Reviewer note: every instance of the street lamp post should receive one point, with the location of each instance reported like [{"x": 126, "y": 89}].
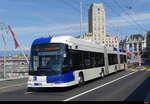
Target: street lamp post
[{"x": 2, "y": 28}]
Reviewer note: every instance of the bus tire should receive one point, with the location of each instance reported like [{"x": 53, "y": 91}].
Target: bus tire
[
  {"x": 102, "y": 74},
  {"x": 116, "y": 69},
  {"x": 29, "y": 89},
  {"x": 124, "y": 67},
  {"x": 81, "y": 79}
]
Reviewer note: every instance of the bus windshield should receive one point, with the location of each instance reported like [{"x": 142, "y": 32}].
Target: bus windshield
[{"x": 47, "y": 59}]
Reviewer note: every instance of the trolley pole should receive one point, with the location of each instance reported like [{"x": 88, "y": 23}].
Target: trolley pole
[
  {"x": 139, "y": 59},
  {"x": 81, "y": 16},
  {"x": 4, "y": 61},
  {"x": 24, "y": 55}
]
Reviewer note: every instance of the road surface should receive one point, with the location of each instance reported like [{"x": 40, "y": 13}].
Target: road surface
[{"x": 121, "y": 86}]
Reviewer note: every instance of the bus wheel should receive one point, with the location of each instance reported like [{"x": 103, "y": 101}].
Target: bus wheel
[
  {"x": 124, "y": 67},
  {"x": 116, "y": 69},
  {"x": 29, "y": 89},
  {"x": 81, "y": 80},
  {"x": 102, "y": 74}
]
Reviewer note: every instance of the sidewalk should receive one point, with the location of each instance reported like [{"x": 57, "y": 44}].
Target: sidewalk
[{"x": 141, "y": 68}]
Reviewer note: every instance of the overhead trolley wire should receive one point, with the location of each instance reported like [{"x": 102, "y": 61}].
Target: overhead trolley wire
[
  {"x": 133, "y": 20},
  {"x": 70, "y": 6},
  {"x": 113, "y": 10}
]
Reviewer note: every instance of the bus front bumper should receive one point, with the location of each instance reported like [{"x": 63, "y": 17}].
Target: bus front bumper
[{"x": 38, "y": 85}]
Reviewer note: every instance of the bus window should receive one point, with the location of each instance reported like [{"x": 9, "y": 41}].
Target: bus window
[{"x": 112, "y": 59}]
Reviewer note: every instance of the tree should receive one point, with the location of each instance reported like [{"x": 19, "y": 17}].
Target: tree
[
  {"x": 148, "y": 35},
  {"x": 148, "y": 43}
]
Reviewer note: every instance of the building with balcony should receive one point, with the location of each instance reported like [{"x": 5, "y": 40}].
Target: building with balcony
[
  {"x": 135, "y": 43},
  {"x": 108, "y": 40}
]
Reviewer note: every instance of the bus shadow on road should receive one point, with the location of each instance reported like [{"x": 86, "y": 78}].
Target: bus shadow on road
[
  {"x": 141, "y": 92},
  {"x": 47, "y": 90}
]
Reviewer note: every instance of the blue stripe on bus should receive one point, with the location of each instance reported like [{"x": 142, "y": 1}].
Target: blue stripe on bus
[
  {"x": 62, "y": 78},
  {"x": 41, "y": 41},
  {"x": 124, "y": 51},
  {"x": 37, "y": 84},
  {"x": 115, "y": 49},
  {"x": 121, "y": 50}
]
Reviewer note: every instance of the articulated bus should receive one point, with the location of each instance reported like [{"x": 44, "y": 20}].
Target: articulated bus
[{"x": 66, "y": 61}]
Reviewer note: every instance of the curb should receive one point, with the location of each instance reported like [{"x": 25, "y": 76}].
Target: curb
[
  {"x": 146, "y": 70},
  {"x": 13, "y": 78}
]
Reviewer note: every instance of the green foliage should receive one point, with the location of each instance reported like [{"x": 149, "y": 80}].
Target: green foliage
[
  {"x": 148, "y": 44},
  {"x": 148, "y": 35}
]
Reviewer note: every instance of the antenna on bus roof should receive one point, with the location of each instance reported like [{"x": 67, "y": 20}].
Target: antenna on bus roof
[{"x": 50, "y": 36}]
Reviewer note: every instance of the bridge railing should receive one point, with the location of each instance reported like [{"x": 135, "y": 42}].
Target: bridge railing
[{"x": 14, "y": 71}]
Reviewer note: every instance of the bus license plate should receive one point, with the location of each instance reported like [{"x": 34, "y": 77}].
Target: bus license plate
[{"x": 37, "y": 84}]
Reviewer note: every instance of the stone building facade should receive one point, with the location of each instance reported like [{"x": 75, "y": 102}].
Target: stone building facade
[{"x": 135, "y": 43}]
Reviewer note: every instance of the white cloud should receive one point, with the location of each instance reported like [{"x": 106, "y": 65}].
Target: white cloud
[
  {"x": 56, "y": 29},
  {"x": 125, "y": 20},
  {"x": 34, "y": 32}
]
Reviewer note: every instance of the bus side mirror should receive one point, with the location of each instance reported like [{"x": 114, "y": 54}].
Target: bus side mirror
[{"x": 67, "y": 48}]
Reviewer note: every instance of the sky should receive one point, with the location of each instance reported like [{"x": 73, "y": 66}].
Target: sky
[{"x": 31, "y": 19}]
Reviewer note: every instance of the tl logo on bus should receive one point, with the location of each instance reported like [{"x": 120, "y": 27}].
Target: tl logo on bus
[{"x": 34, "y": 78}]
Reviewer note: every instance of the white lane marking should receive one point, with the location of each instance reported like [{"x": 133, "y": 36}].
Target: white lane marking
[
  {"x": 98, "y": 87},
  {"x": 13, "y": 86},
  {"x": 26, "y": 93}
]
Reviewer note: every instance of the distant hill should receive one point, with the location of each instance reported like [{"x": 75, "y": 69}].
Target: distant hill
[{"x": 13, "y": 53}]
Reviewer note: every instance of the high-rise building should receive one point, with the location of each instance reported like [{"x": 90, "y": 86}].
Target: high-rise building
[
  {"x": 97, "y": 24},
  {"x": 97, "y": 27}
]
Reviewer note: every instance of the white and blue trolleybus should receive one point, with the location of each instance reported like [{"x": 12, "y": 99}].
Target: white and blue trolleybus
[{"x": 66, "y": 61}]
